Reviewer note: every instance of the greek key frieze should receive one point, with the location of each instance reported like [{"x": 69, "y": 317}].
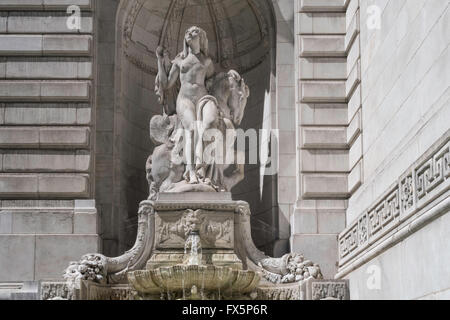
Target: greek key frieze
[
  {"x": 426, "y": 179},
  {"x": 407, "y": 193},
  {"x": 433, "y": 172}
]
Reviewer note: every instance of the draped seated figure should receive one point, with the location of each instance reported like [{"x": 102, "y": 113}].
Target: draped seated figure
[{"x": 193, "y": 137}]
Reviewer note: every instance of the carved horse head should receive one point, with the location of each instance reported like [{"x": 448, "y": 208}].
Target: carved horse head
[
  {"x": 239, "y": 93},
  {"x": 232, "y": 93}
]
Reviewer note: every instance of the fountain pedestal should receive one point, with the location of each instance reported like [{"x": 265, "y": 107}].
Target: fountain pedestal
[
  {"x": 219, "y": 273},
  {"x": 231, "y": 267}
]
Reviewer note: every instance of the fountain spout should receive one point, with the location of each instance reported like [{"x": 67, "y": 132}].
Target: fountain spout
[{"x": 193, "y": 249}]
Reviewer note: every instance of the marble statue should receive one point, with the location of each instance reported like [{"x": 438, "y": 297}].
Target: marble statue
[{"x": 208, "y": 107}]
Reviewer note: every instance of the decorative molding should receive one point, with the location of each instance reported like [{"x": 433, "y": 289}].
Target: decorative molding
[
  {"x": 94, "y": 291},
  {"x": 329, "y": 290},
  {"x": 290, "y": 293},
  {"x": 216, "y": 229},
  {"x": 423, "y": 182},
  {"x": 195, "y": 205},
  {"x": 311, "y": 289},
  {"x": 54, "y": 290}
]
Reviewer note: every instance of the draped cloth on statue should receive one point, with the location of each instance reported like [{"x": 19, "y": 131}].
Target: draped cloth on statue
[{"x": 213, "y": 150}]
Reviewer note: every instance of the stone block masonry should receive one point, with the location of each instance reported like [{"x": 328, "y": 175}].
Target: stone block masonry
[
  {"x": 323, "y": 145},
  {"x": 46, "y": 138}
]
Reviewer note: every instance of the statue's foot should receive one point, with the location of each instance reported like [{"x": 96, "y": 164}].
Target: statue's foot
[
  {"x": 201, "y": 173},
  {"x": 193, "y": 179},
  {"x": 190, "y": 177}
]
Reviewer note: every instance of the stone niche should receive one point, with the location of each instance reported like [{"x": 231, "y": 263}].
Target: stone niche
[{"x": 241, "y": 37}]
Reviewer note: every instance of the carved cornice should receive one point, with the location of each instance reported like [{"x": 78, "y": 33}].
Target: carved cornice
[
  {"x": 404, "y": 201},
  {"x": 194, "y": 205}
]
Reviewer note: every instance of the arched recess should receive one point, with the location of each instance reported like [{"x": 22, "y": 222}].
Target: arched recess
[{"x": 242, "y": 36}]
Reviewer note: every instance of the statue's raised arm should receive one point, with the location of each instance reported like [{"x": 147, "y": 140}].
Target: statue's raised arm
[{"x": 167, "y": 81}]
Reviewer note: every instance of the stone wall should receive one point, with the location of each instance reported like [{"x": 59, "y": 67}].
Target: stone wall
[
  {"x": 46, "y": 141},
  {"x": 322, "y": 130},
  {"x": 397, "y": 221},
  {"x": 405, "y": 90},
  {"x": 109, "y": 228}
]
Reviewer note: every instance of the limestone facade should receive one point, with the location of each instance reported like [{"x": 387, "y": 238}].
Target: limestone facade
[
  {"x": 48, "y": 214},
  {"x": 357, "y": 89}
]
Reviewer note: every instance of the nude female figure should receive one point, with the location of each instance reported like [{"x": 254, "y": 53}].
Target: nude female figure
[{"x": 193, "y": 67}]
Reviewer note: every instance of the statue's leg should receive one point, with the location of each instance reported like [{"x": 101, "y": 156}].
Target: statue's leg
[
  {"x": 208, "y": 118},
  {"x": 186, "y": 111}
]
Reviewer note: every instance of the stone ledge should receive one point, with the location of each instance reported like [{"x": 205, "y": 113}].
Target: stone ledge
[
  {"x": 323, "y": 69},
  {"x": 48, "y": 220},
  {"x": 356, "y": 152},
  {"x": 44, "y": 137},
  {"x": 354, "y": 128},
  {"x": 324, "y": 138},
  {"x": 323, "y": 5},
  {"x": 323, "y": 114},
  {"x": 355, "y": 178},
  {"x": 44, "y": 4},
  {"x": 354, "y": 79},
  {"x": 324, "y": 160},
  {"x": 352, "y": 8},
  {"x": 45, "y": 161},
  {"x": 49, "y": 114},
  {"x": 352, "y": 31},
  {"x": 322, "y": 46},
  {"x": 32, "y": 186},
  {"x": 45, "y": 45},
  {"x": 29, "y": 90},
  {"x": 323, "y": 91},
  {"x": 353, "y": 55},
  {"x": 324, "y": 186},
  {"x": 354, "y": 104},
  {"x": 46, "y": 68},
  {"x": 28, "y": 290},
  {"x": 44, "y": 22},
  {"x": 322, "y": 23}
]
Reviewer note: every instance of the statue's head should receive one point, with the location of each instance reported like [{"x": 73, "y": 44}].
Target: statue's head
[
  {"x": 195, "y": 37},
  {"x": 239, "y": 93}
]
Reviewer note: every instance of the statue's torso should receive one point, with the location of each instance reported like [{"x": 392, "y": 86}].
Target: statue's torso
[{"x": 193, "y": 70}]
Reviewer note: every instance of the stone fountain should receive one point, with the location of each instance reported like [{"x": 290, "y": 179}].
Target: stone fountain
[{"x": 194, "y": 241}]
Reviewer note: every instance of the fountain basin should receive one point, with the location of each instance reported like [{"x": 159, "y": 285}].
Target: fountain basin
[{"x": 179, "y": 279}]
